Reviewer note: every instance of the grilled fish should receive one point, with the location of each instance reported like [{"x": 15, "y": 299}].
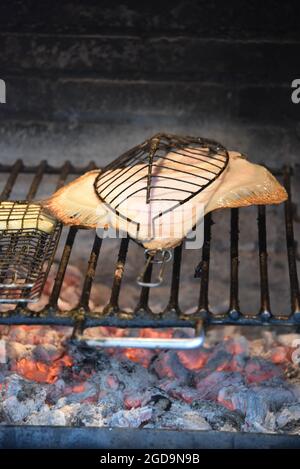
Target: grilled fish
[{"x": 183, "y": 189}]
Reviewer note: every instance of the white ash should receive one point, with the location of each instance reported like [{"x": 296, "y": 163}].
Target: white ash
[{"x": 235, "y": 383}]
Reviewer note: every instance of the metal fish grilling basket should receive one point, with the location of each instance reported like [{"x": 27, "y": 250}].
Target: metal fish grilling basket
[
  {"x": 156, "y": 167},
  {"x": 153, "y": 179},
  {"x": 28, "y": 241}
]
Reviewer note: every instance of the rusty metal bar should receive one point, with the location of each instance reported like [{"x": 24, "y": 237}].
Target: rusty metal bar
[
  {"x": 113, "y": 305},
  {"x": 36, "y": 180},
  {"x": 77, "y": 170},
  {"x": 234, "y": 306},
  {"x": 265, "y": 305},
  {"x": 143, "y": 304},
  {"x": 13, "y": 174},
  {"x": 203, "y": 306},
  {"x": 173, "y": 305},
  {"x": 62, "y": 267},
  {"x": 291, "y": 247},
  {"x": 90, "y": 275}
]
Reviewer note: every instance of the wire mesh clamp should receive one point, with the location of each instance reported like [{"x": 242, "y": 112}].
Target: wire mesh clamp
[
  {"x": 152, "y": 256},
  {"x": 172, "y": 343}
]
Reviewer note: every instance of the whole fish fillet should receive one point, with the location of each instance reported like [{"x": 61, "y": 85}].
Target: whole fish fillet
[{"x": 166, "y": 220}]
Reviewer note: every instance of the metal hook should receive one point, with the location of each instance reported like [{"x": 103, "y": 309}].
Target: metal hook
[{"x": 166, "y": 256}]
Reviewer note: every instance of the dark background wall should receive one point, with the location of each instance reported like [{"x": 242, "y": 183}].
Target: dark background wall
[{"x": 88, "y": 79}]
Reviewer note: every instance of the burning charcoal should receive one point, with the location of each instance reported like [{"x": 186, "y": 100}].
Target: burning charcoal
[
  {"x": 247, "y": 401},
  {"x": 260, "y": 370},
  {"x": 210, "y": 386},
  {"x": 47, "y": 352},
  {"x": 160, "y": 402},
  {"x": 220, "y": 359},
  {"x": 15, "y": 385},
  {"x": 16, "y": 411},
  {"x": 181, "y": 417},
  {"x": 142, "y": 356},
  {"x": 167, "y": 365},
  {"x": 193, "y": 360},
  {"x": 16, "y": 350},
  {"x": 255, "y": 403},
  {"x": 277, "y": 395},
  {"x": 218, "y": 416},
  {"x": 81, "y": 392},
  {"x": 280, "y": 354},
  {"x": 110, "y": 403},
  {"x": 28, "y": 399},
  {"x": 55, "y": 390},
  {"x": 47, "y": 416},
  {"x": 134, "y": 399},
  {"x": 288, "y": 419},
  {"x": 87, "y": 415},
  {"x": 187, "y": 421},
  {"x": 177, "y": 390},
  {"x": 133, "y": 418}
]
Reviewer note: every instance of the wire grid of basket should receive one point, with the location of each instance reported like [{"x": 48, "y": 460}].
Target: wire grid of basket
[
  {"x": 143, "y": 170},
  {"x": 28, "y": 241}
]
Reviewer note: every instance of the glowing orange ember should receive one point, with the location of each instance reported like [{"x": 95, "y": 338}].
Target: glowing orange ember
[
  {"x": 39, "y": 371},
  {"x": 193, "y": 359}
]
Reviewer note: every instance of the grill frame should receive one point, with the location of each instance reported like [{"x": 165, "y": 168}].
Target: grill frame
[{"x": 81, "y": 317}]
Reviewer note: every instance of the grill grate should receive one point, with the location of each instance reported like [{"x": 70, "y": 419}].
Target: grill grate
[{"x": 142, "y": 316}]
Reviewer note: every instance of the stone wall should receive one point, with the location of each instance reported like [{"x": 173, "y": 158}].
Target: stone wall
[{"x": 86, "y": 80}]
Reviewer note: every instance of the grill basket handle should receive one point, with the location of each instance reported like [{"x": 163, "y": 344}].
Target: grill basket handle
[{"x": 152, "y": 343}]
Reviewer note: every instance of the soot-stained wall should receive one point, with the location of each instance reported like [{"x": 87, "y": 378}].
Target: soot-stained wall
[{"x": 88, "y": 79}]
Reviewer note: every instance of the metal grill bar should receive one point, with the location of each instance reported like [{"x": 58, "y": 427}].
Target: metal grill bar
[
  {"x": 265, "y": 308},
  {"x": 234, "y": 307},
  {"x": 203, "y": 299},
  {"x": 142, "y": 306},
  {"x": 36, "y": 180},
  {"x": 113, "y": 305},
  {"x": 14, "y": 172},
  {"x": 62, "y": 267},
  {"x": 90, "y": 275},
  {"x": 173, "y": 305},
  {"x": 142, "y": 315},
  {"x": 291, "y": 250}
]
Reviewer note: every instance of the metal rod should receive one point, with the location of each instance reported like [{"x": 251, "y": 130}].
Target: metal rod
[
  {"x": 69, "y": 318},
  {"x": 203, "y": 299},
  {"x": 36, "y": 180},
  {"x": 62, "y": 267},
  {"x": 152, "y": 343},
  {"x": 65, "y": 171},
  {"x": 173, "y": 304},
  {"x": 145, "y": 291},
  {"x": 153, "y": 148},
  {"x": 91, "y": 271},
  {"x": 234, "y": 306},
  {"x": 14, "y": 172},
  {"x": 291, "y": 247},
  {"x": 113, "y": 304},
  {"x": 265, "y": 306},
  {"x": 7, "y": 168}
]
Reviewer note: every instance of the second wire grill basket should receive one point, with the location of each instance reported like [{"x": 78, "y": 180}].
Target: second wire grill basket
[{"x": 28, "y": 241}]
